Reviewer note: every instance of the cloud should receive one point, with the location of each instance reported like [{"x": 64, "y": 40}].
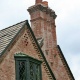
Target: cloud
[
  {"x": 13, "y": 12},
  {"x": 74, "y": 61}
]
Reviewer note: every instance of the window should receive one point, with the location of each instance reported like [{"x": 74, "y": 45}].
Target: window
[{"x": 27, "y": 68}]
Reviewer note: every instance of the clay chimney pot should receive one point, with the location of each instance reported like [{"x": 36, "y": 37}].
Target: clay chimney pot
[
  {"x": 38, "y": 1},
  {"x": 45, "y": 3}
]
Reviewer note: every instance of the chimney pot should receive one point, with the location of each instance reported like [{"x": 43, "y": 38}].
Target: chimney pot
[
  {"x": 45, "y": 3},
  {"x": 38, "y": 1}
]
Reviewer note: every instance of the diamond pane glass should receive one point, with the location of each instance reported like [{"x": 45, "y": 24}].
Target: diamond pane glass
[
  {"x": 31, "y": 71},
  {"x": 21, "y": 70}
]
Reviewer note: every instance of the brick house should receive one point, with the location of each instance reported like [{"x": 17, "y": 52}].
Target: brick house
[{"x": 32, "y": 53}]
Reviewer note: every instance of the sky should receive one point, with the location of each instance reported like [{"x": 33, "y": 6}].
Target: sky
[{"x": 67, "y": 25}]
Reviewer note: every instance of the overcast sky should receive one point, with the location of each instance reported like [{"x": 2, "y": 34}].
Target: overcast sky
[{"x": 67, "y": 24}]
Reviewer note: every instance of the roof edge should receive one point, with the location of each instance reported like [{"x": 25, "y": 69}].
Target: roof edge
[
  {"x": 14, "y": 25},
  {"x": 65, "y": 62}
]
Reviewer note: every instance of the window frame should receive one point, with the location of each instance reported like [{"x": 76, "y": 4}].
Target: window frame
[{"x": 27, "y": 59}]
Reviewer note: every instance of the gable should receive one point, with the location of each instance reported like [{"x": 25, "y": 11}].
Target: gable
[{"x": 26, "y": 43}]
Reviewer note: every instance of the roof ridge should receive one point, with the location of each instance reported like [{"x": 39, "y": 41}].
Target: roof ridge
[{"x": 13, "y": 25}]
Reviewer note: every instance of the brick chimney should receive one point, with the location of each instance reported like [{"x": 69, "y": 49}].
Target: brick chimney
[{"x": 43, "y": 26}]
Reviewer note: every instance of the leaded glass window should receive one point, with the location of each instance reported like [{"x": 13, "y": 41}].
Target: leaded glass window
[
  {"x": 22, "y": 70},
  {"x": 31, "y": 71},
  {"x": 37, "y": 72},
  {"x": 27, "y": 68}
]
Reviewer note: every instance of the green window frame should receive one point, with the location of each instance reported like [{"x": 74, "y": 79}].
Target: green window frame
[{"x": 27, "y": 68}]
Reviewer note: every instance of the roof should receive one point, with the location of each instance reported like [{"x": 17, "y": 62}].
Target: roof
[{"x": 7, "y": 34}]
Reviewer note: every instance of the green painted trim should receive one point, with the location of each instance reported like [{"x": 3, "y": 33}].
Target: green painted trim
[
  {"x": 65, "y": 62},
  {"x": 22, "y": 55}
]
